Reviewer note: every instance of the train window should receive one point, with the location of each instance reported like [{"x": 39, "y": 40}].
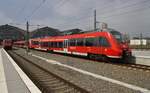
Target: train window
[
  {"x": 46, "y": 44},
  {"x": 57, "y": 44},
  {"x": 80, "y": 42},
  {"x": 72, "y": 42},
  {"x": 91, "y": 42},
  {"x": 52, "y": 44},
  {"x": 41, "y": 43},
  {"x": 60, "y": 44},
  {"x": 117, "y": 35},
  {"x": 49, "y": 44},
  {"x": 35, "y": 42},
  {"x": 104, "y": 42}
]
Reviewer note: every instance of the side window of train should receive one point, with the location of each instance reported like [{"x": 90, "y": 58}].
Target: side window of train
[
  {"x": 72, "y": 42},
  {"x": 40, "y": 43},
  {"x": 43, "y": 44},
  {"x": 36, "y": 42},
  {"x": 91, "y": 41},
  {"x": 60, "y": 44},
  {"x": 104, "y": 42},
  {"x": 49, "y": 44},
  {"x": 32, "y": 42},
  {"x": 52, "y": 43},
  {"x": 55, "y": 44},
  {"x": 80, "y": 42},
  {"x": 46, "y": 44}
]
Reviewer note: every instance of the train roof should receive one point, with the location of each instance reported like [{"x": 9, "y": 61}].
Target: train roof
[
  {"x": 85, "y": 35},
  {"x": 80, "y": 35}
]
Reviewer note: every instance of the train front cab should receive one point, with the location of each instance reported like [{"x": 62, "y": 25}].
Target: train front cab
[
  {"x": 121, "y": 45},
  {"x": 7, "y": 44}
]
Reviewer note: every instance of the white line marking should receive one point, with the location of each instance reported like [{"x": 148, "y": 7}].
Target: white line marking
[
  {"x": 78, "y": 53},
  {"x": 30, "y": 85},
  {"x": 134, "y": 87},
  {"x": 147, "y": 57},
  {"x": 3, "y": 84}
]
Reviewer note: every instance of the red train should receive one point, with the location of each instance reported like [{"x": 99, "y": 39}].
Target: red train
[
  {"x": 7, "y": 44},
  {"x": 95, "y": 45},
  {"x": 19, "y": 44}
]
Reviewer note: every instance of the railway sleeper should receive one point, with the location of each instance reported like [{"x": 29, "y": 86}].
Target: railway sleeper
[
  {"x": 65, "y": 90},
  {"x": 47, "y": 79},
  {"x": 53, "y": 89},
  {"x": 47, "y": 86},
  {"x": 40, "y": 73},
  {"x": 42, "y": 76},
  {"x": 46, "y": 82},
  {"x": 64, "y": 87},
  {"x": 53, "y": 82},
  {"x": 56, "y": 85}
]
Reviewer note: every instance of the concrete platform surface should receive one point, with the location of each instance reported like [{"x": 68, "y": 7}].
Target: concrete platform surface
[{"x": 12, "y": 78}]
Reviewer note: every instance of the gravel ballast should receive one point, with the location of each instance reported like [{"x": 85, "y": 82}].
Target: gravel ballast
[{"x": 134, "y": 77}]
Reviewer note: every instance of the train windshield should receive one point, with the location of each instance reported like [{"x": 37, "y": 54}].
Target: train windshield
[{"x": 117, "y": 35}]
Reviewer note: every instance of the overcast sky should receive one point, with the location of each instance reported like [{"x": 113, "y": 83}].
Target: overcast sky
[{"x": 126, "y": 16}]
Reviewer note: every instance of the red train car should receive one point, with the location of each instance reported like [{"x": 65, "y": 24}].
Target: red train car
[
  {"x": 7, "y": 44},
  {"x": 35, "y": 43},
  {"x": 95, "y": 45},
  {"x": 19, "y": 44}
]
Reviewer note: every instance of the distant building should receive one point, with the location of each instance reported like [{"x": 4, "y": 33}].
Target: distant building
[
  {"x": 71, "y": 31},
  {"x": 138, "y": 42},
  {"x": 44, "y": 32},
  {"x": 11, "y": 32}
]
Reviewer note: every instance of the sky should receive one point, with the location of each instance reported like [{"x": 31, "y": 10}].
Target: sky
[{"x": 127, "y": 16}]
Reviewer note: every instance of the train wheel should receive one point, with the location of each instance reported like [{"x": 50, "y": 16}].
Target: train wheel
[
  {"x": 50, "y": 51},
  {"x": 98, "y": 57},
  {"x": 104, "y": 58},
  {"x": 92, "y": 56}
]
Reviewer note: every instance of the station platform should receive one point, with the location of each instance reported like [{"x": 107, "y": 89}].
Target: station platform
[
  {"x": 12, "y": 78},
  {"x": 141, "y": 57}
]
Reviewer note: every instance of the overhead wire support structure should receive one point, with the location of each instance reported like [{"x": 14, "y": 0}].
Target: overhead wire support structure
[
  {"x": 94, "y": 20},
  {"x": 118, "y": 14},
  {"x": 33, "y": 12},
  {"x": 27, "y": 38}
]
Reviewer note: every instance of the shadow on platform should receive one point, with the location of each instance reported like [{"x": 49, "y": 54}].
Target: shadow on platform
[{"x": 131, "y": 60}]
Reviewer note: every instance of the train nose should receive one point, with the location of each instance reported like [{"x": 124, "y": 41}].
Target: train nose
[{"x": 126, "y": 50}]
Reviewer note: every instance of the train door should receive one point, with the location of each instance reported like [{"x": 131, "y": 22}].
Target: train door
[{"x": 65, "y": 46}]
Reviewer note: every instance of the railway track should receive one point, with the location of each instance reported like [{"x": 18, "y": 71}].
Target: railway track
[
  {"x": 137, "y": 66},
  {"x": 119, "y": 64},
  {"x": 47, "y": 82},
  {"x": 128, "y": 65}
]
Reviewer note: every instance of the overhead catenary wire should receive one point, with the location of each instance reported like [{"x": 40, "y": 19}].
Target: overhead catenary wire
[
  {"x": 21, "y": 11},
  {"x": 123, "y": 13},
  {"x": 119, "y": 8},
  {"x": 32, "y": 26},
  {"x": 33, "y": 12},
  {"x": 102, "y": 13},
  {"x": 61, "y": 3}
]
